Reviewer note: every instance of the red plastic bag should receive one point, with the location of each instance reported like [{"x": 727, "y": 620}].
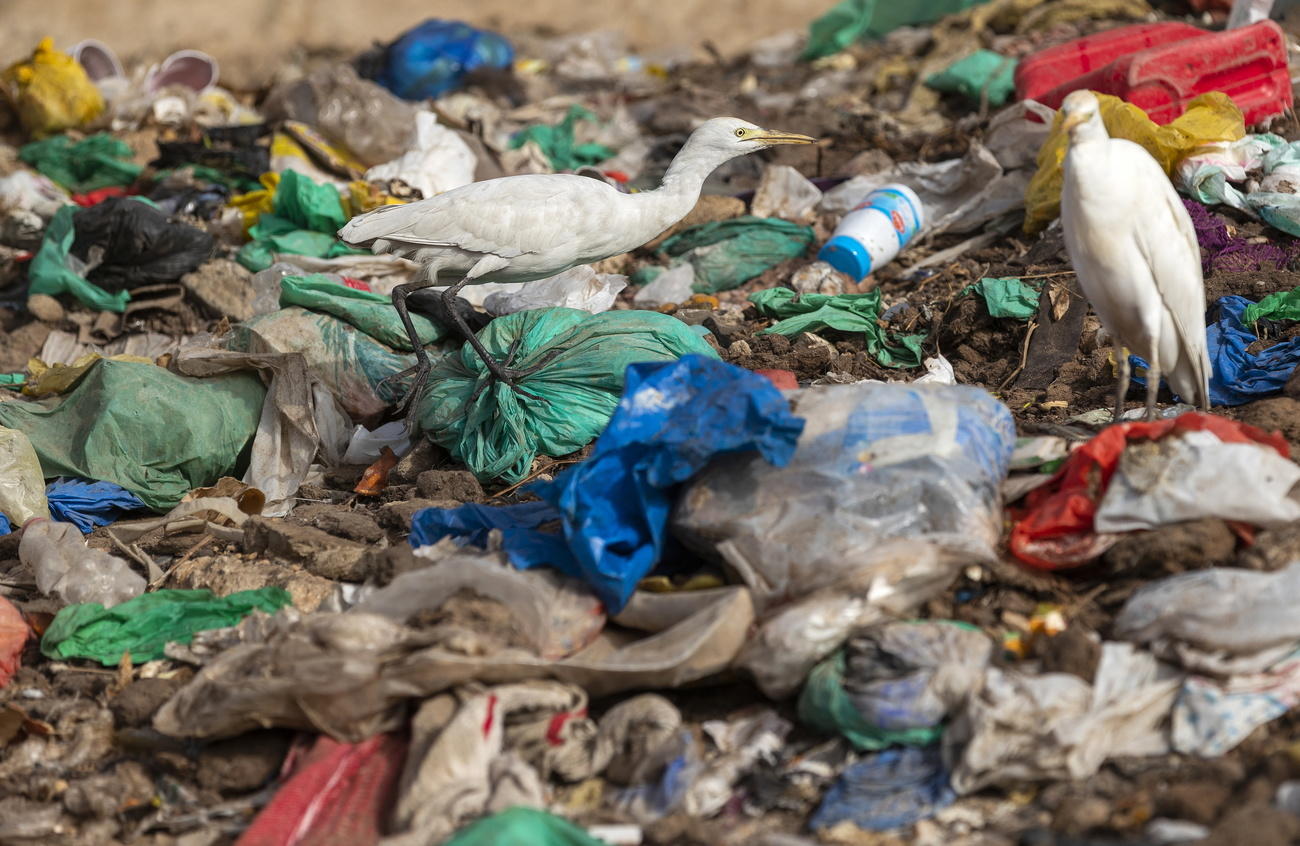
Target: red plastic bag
[
  {"x": 13, "y": 635},
  {"x": 1055, "y": 528}
]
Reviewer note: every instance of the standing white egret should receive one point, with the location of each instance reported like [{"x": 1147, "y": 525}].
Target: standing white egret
[
  {"x": 1134, "y": 249},
  {"x": 527, "y": 227}
]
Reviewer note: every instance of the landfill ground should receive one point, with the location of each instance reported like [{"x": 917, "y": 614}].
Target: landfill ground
[{"x": 80, "y": 760}]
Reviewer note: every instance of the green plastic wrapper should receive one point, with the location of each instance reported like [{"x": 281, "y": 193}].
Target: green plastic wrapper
[
  {"x": 728, "y": 253},
  {"x": 843, "y": 312},
  {"x": 100, "y": 161},
  {"x": 558, "y": 143},
  {"x": 310, "y": 206},
  {"x": 155, "y": 433},
  {"x": 522, "y": 826},
  {"x": 825, "y": 706},
  {"x": 50, "y": 274},
  {"x": 981, "y": 71},
  {"x": 145, "y": 625},
  {"x": 852, "y": 20},
  {"x": 1006, "y": 297},
  {"x": 1283, "y": 305},
  {"x": 305, "y": 219},
  {"x": 370, "y": 312},
  {"x": 499, "y": 432}
]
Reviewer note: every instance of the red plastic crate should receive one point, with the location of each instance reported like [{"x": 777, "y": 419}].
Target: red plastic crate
[{"x": 1163, "y": 67}]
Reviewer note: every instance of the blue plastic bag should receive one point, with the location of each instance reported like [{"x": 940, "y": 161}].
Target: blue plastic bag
[
  {"x": 887, "y": 790},
  {"x": 87, "y": 504},
  {"x": 673, "y": 418},
  {"x": 432, "y": 58}
]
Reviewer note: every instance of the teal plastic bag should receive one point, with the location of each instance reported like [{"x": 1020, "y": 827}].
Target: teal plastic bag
[
  {"x": 842, "y": 312},
  {"x": 823, "y": 705},
  {"x": 151, "y": 431},
  {"x": 558, "y": 143},
  {"x": 852, "y": 20},
  {"x": 50, "y": 274},
  {"x": 100, "y": 161},
  {"x": 499, "y": 433},
  {"x": 728, "y": 253},
  {"x": 979, "y": 72},
  {"x": 370, "y": 312},
  {"x": 522, "y": 826},
  {"x": 1006, "y": 297},
  {"x": 145, "y": 625}
]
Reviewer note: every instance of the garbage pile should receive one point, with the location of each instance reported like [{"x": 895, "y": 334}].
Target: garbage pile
[{"x": 808, "y": 520}]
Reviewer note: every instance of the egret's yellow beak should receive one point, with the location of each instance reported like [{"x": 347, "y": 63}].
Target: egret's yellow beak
[
  {"x": 1073, "y": 119},
  {"x": 775, "y": 136}
]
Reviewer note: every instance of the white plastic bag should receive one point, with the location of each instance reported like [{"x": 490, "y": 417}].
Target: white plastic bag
[
  {"x": 439, "y": 161},
  {"x": 69, "y": 570},
  {"x": 578, "y": 287}
]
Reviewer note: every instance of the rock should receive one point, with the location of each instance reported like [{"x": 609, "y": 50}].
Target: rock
[
  {"x": 223, "y": 287},
  {"x": 727, "y": 327},
  {"x": 397, "y": 515},
  {"x": 1198, "y": 801},
  {"x": 459, "y": 485},
  {"x": 818, "y": 277},
  {"x": 339, "y": 521},
  {"x": 318, "y": 552},
  {"x": 1276, "y": 414},
  {"x": 421, "y": 457},
  {"x": 134, "y": 705},
  {"x": 227, "y": 574},
  {"x": 45, "y": 308},
  {"x": 243, "y": 764},
  {"x": 1174, "y": 548},
  {"x": 1258, "y": 825}
]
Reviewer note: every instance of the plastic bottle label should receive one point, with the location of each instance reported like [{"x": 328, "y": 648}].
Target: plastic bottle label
[{"x": 874, "y": 232}]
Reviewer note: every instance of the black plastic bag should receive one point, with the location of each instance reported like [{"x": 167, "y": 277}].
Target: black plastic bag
[{"x": 129, "y": 243}]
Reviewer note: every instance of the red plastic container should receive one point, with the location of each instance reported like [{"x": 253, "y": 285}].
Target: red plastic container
[{"x": 1162, "y": 67}]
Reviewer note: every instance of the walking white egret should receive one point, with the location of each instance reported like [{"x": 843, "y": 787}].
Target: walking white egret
[
  {"x": 527, "y": 227},
  {"x": 1134, "y": 249}
]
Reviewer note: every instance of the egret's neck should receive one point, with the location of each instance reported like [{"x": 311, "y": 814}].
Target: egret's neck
[
  {"x": 1089, "y": 132},
  {"x": 680, "y": 189}
]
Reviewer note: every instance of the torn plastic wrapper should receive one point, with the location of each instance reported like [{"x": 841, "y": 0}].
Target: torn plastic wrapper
[{"x": 439, "y": 161}]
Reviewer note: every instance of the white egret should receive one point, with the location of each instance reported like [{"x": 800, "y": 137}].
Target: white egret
[
  {"x": 1134, "y": 249},
  {"x": 527, "y": 227}
]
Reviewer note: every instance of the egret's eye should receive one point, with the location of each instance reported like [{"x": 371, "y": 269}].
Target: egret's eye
[{"x": 740, "y": 133}]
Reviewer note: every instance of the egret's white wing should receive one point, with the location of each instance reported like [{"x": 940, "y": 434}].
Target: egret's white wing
[{"x": 507, "y": 217}]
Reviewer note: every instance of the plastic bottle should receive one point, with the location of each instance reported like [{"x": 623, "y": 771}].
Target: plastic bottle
[
  {"x": 873, "y": 233},
  {"x": 22, "y": 485},
  {"x": 68, "y": 569}
]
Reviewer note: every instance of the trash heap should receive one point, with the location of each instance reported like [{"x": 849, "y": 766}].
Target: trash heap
[{"x": 813, "y": 524}]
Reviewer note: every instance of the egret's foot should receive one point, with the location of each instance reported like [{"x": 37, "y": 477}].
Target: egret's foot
[
  {"x": 406, "y": 408},
  {"x": 503, "y": 372}
]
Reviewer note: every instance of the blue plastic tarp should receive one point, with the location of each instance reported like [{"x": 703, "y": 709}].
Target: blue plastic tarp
[
  {"x": 673, "y": 418},
  {"x": 87, "y": 504},
  {"x": 889, "y": 789}
]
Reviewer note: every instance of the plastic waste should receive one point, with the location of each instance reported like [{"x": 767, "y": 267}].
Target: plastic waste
[
  {"x": 439, "y": 161},
  {"x": 67, "y": 569},
  {"x": 54, "y": 270},
  {"x": 1208, "y": 119},
  {"x": 371, "y": 313},
  {"x": 523, "y": 825},
  {"x": 672, "y": 286},
  {"x": 578, "y": 287},
  {"x": 51, "y": 91},
  {"x": 1006, "y": 297},
  {"x": 497, "y": 432},
  {"x": 432, "y": 58},
  {"x": 896, "y": 683},
  {"x": 983, "y": 76},
  {"x": 32, "y": 192},
  {"x": 785, "y": 193},
  {"x": 612, "y": 540},
  {"x": 745, "y": 743},
  {"x": 143, "y": 626},
  {"x": 1056, "y": 527},
  {"x": 851, "y": 20},
  {"x": 13, "y": 637},
  {"x": 558, "y": 144},
  {"x": 157, "y": 434},
  {"x": 1213, "y": 715},
  {"x": 887, "y": 790},
  {"x": 1162, "y": 68},
  {"x": 873, "y": 233},
  {"x": 22, "y": 483},
  {"x": 87, "y": 504},
  {"x": 728, "y": 253},
  {"x": 99, "y": 161},
  {"x": 366, "y": 445},
  {"x": 892, "y": 488},
  {"x": 266, "y": 286},
  {"x": 136, "y": 244},
  {"x": 303, "y": 219},
  {"x": 800, "y": 313}
]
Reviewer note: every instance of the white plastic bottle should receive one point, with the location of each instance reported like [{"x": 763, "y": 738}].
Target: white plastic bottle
[{"x": 873, "y": 233}]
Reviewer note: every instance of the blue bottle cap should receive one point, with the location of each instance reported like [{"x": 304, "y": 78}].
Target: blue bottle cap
[{"x": 847, "y": 256}]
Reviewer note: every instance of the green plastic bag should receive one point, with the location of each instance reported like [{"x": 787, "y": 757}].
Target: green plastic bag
[
  {"x": 1006, "y": 297},
  {"x": 145, "y": 625},
  {"x": 521, "y": 826},
  {"x": 981, "y": 71},
  {"x": 728, "y": 253},
  {"x": 851, "y": 20},
  {"x": 310, "y": 206},
  {"x": 100, "y": 161},
  {"x": 157, "y": 434},
  {"x": 558, "y": 144},
  {"x": 500, "y": 432},
  {"x": 1283, "y": 305},
  {"x": 825, "y": 706},
  {"x": 50, "y": 274},
  {"x": 370, "y": 312},
  {"x": 305, "y": 219},
  {"x": 842, "y": 312}
]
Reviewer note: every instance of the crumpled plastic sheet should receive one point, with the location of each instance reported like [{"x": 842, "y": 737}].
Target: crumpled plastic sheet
[
  {"x": 440, "y": 160},
  {"x": 800, "y": 313},
  {"x": 1208, "y": 177},
  {"x": 728, "y": 253},
  {"x": 87, "y": 504},
  {"x": 1056, "y": 726},
  {"x": 578, "y": 287},
  {"x": 65, "y": 568},
  {"x": 1213, "y": 716},
  {"x": 785, "y": 193},
  {"x": 887, "y": 790},
  {"x": 745, "y": 743}
]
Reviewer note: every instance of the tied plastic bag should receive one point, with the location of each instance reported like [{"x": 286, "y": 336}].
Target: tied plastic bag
[
  {"x": 432, "y": 58},
  {"x": 51, "y": 91},
  {"x": 893, "y": 488},
  {"x": 497, "y": 432},
  {"x": 1209, "y": 118}
]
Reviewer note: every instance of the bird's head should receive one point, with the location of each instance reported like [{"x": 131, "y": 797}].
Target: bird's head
[
  {"x": 729, "y": 137},
  {"x": 1082, "y": 113}
]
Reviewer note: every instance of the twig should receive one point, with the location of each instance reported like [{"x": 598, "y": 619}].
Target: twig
[
  {"x": 517, "y": 485},
  {"x": 1046, "y": 275},
  {"x": 137, "y": 555},
  {"x": 1024, "y": 357}
]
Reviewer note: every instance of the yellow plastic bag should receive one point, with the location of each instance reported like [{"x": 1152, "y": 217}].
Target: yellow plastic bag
[
  {"x": 256, "y": 203},
  {"x": 51, "y": 91},
  {"x": 1209, "y": 118},
  {"x": 47, "y": 379}
]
